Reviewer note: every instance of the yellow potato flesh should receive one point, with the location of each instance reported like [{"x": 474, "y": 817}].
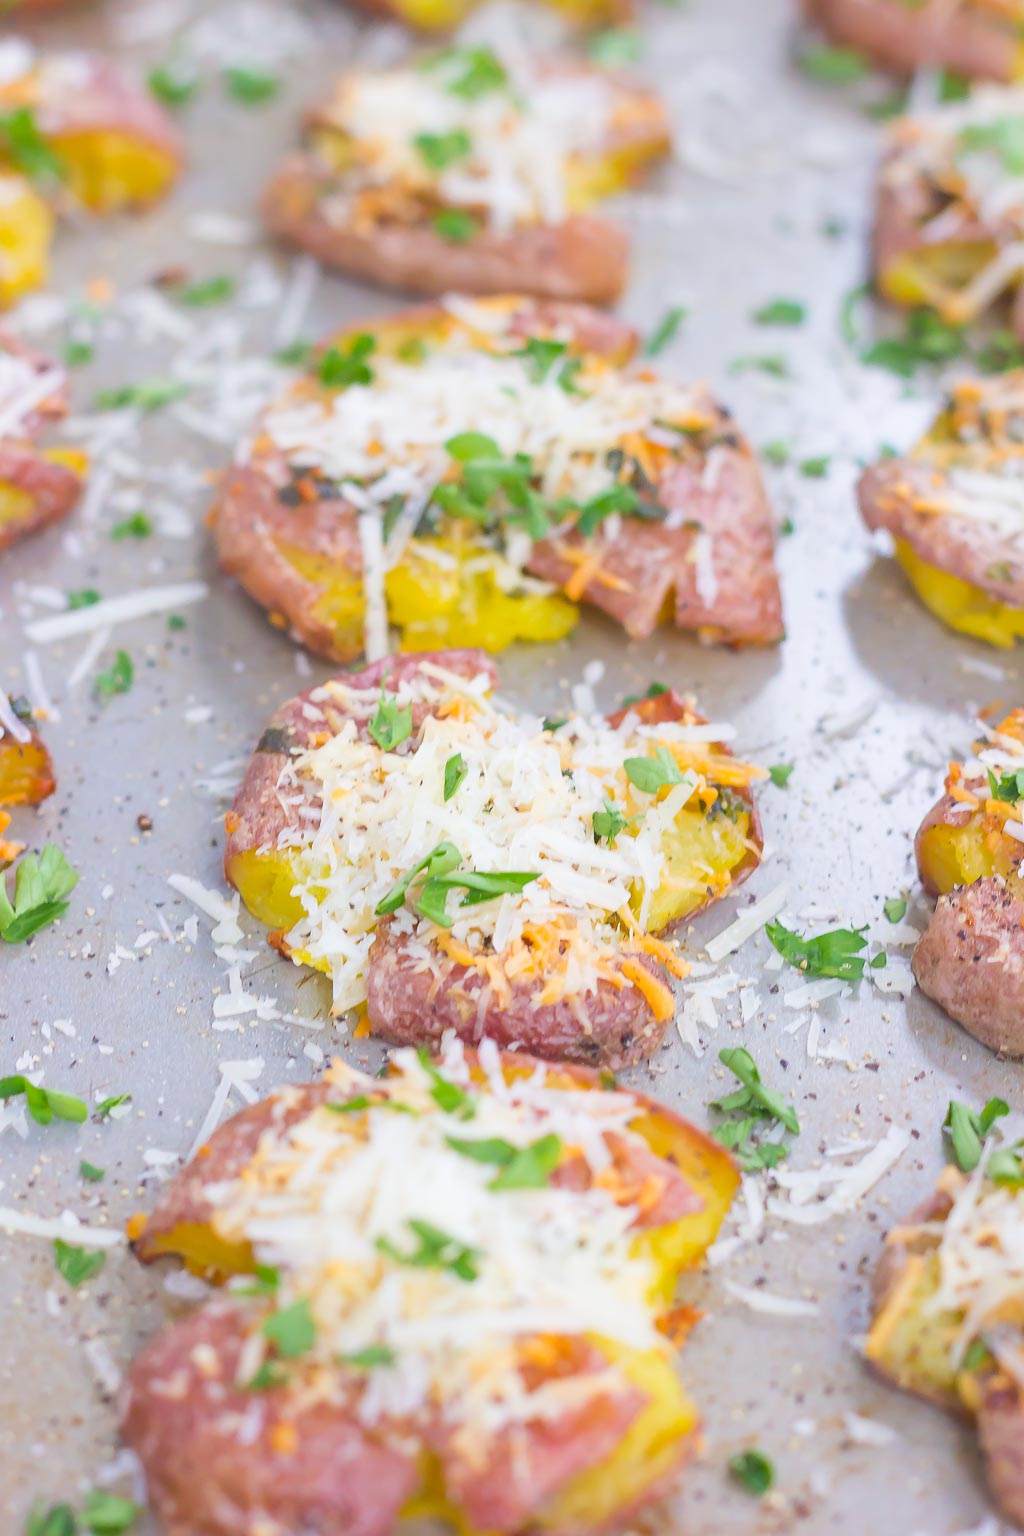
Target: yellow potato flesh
[
  {"x": 959, "y": 604},
  {"x": 600, "y": 176},
  {"x": 202, "y": 1251},
  {"x": 15, "y": 504},
  {"x": 953, "y": 856},
  {"x": 910, "y": 1343},
  {"x": 26, "y": 773},
  {"x": 935, "y": 274},
  {"x": 265, "y": 881},
  {"x": 26, "y": 234},
  {"x": 452, "y": 601},
  {"x": 108, "y": 171},
  {"x": 433, "y": 15},
  {"x": 700, "y": 853}
]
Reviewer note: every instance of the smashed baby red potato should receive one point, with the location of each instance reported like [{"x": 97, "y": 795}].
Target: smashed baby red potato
[
  {"x": 470, "y": 472},
  {"x": 73, "y": 134},
  {"x": 470, "y": 172},
  {"x": 949, "y": 1297},
  {"x": 949, "y": 217},
  {"x": 970, "y": 846},
  {"x": 37, "y": 486},
  {"x": 977, "y": 38},
  {"x": 454, "y": 866},
  {"x": 955, "y": 507},
  {"x": 489, "y": 1343},
  {"x": 26, "y": 769}
]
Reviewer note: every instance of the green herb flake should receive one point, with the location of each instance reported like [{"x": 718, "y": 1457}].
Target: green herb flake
[
  {"x": 780, "y": 774},
  {"x": 44, "y": 1104},
  {"x": 836, "y": 953},
  {"x": 440, "y": 150},
  {"x": 649, "y": 774},
  {"x": 295, "y": 355},
  {"x": 291, "y": 1330},
  {"x": 370, "y": 1358},
  {"x": 816, "y": 469},
  {"x": 754, "y": 1094},
  {"x": 608, "y": 823},
  {"x": 1004, "y": 136},
  {"x": 108, "y": 1514},
  {"x": 77, "y": 1265},
  {"x": 753, "y": 1471},
  {"x": 616, "y": 47},
  {"x": 773, "y": 364},
  {"x": 474, "y": 72},
  {"x": 665, "y": 331},
  {"x": 78, "y": 353},
  {"x": 1009, "y": 787},
  {"x": 781, "y": 312},
  {"x": 138, "y": 526},
  {"x": 448, "y": 1096},
  {"x": 776, "y": 453},
  {"x": 926, "y": 339},
  {"x": 175, "y": 622},
  {"x": 966, "y": 1129},
  {"x": 339, "y": 367},
  {"x": 528, "y": 1167},
  {"x": 117, "y": 678},
  {"x": 895, "y": 909},
  {"x": 455, "y": 772},
  {"x": 174, "y": 83},
  {"x": 27, "y": 150},
  {"x": 103, "y": 1108},
  {"x": 82, "y": 597},
  {"x": 211, "y": 290},
  {"x": 54, "y": 1520},
  {"x": 250, "y": 87},
  {"x": 90, "y": 1173},
  {"x": 149, "y": 395},
  {"x": 439, "y": 861},
  {"x": 435, "y": 1249},
  {"x": 40, "y": 888},
  {"x": 454, "y": 225},
  {"x": 833, "y": 65},
  {"x": 390, "y": 725}
]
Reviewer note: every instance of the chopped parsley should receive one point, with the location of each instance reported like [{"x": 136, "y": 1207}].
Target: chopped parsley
[
  {"x": 608, "y": 823},
  {"x": 138, "y": 526},
  {"x": 90, "y": 1173},
  {"x": 528, "y": 1167},
  {"x": 77, "y": 353},
  {"x": 149, "y": 395},
  {"x": 615, "y": 47},
  {"x": 27, "y": 150},
  {"x": 83, "y": 597},
  {"x": 295, "y": 355},
  {"x": 291, "y": 1330},
  {"x": 833, "y": 65},
  {"x": 454, "y": 225},
  {"x": 212, "y": 290},
  {"x": 926, "y": 339},
  {"x": 816, "y": 469},
  {"x": 753, "y": 1471},
  {"x": 41, "y": 886},
  {"x": 103, "y": 1108},
  {"x": 439, "y": 861},
  {"x": 895, "y": 909},
  {"x": 435, "y": 1249},
  {"x": 650, "y": 774},
  {"x": 836, "y": 953},
  {"x": 776, "y": 453},
  {"x": 1009, "y": 787},
  {"x": 440, "y": 150},
  {"x": 475, "y": 71},
  {"x": 251, "y": 87},
  {"x": 1004, "y": 136},
  {"x": 455, "y": 771},
  {"x": 117, "y": 678},
  {"x": 340, "y": 366},
  {"x": 175, "y": 622},
  {"x": 77, "y": 1265},
  {"x": 772, "y": 363},
  {"x": 780, "y": 312},
  {"x": 44, "y": 1104},
  {"x": 108, "y": 1514},
  {"x": 780, "y": 774},
  {"x": 966, "y": 1130},
  {"x": 431, "y": 902},
  {"x": 1006, "y": 1166},
  {"x": 448, "y": 1096},
  {"x": 541, "y": 355},
  {"x": 174, "y": 83},
  {"x": 753, "y": 1097},
  {"x": 390, "y": 726},
  {"x": 665, "y": 331},
  {"x": 369, "y": 1358},
  {"x": 56, "y": 1520}
]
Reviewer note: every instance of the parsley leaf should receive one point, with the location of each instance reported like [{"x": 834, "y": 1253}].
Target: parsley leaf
[
  {"x": 473, "y": 71},
  {"x": 340, "y": 366},
  {"x": 895, "y": 909},
  {"x": 816, "y": 469},
  {"x": 926, "y": 339},
  {"x": 44, "y": 1104},
  {"x": 447, "y": 1095},
  {"x": 665, "y": 331},
  {"x": 780, "y": 312},
  {"x": 1009, "y": 787},
  {"x": 439, "y": 150},
  {"x": 439, "y": 861},
  {"x": 212, "y": 290},
  {"x": 149, "y": 395},
  {"x": 1003, "y": 135},
  {"x": 40, "y": 887},
  {"x": 370, "y": 1357},
  {"x": 966, "y": 1130},
  {"x": 91, "y": 1173},
  {"x": 174, "y": 83},
  {"x": 117, "y": 678},
  {"x": 454, "y": 225},
  {"x": 390, "y": 726},
  {"x": 615, "y": 47},
  {"x": 138, "y": 526},
  {"x": 833, "y": 65},
  {"x": 431, "y": 902},
  {"x": 528, "y": 1167},
  {"x": 753, "y": 1095},
  {"x": 27, "y": 149},
  {"x": 108, "y": 1514},
  {"x": 650, "y": 774},
  {"x": 57, "y": 1520},
  {"x": 772, "y": 363},
  {"x": 84, "y": 597},
  {"x": 435, "y": 1249},
  {"x": 608, "y": 823},
  {"x": 455, "y": 771},
  {"x": 753, "y": 1470},
  {"x": 291, "y": 1330},
  {"x": 251, "y": 87},
  {"x": 77, "y": 1265},
  {"x": 103, "y": 1108},
  {"x": 780, "y": 774},
  {"x": 836, "y": 953}
]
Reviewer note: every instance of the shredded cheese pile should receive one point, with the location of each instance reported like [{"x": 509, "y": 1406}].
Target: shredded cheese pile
[
  {"x": 981, "y": 1259},
  {"x": 328, "y": 1202},
  {"x": 979, "y": 446},
  {"x": 23, "y": 391},
  {"x": 522, "y": 136},
  {"x": 999, "y": 752},
  {"x": 361, "y": 818}
]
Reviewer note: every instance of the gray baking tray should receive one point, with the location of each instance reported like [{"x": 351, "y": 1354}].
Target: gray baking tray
[{"x": 769, "y": 196}]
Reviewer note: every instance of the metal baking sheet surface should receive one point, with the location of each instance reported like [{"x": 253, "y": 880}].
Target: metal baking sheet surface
[{"x": 768, "y": 197}]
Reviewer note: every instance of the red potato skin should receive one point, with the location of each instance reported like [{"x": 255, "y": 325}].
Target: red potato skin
[
  {"x": 657, "y": 564},
  {"x": 223, "y": 1461},
  {"x": 409, "y": 1005},
  {"x": 970, "y": 960},
  {"x": 109, "y": 101},
  {"x": 585, "y": 258},
  {"x": 960, "y": 545},
  {"x": 54, "y": 488},
  {"x": 905, "y": 40}
]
